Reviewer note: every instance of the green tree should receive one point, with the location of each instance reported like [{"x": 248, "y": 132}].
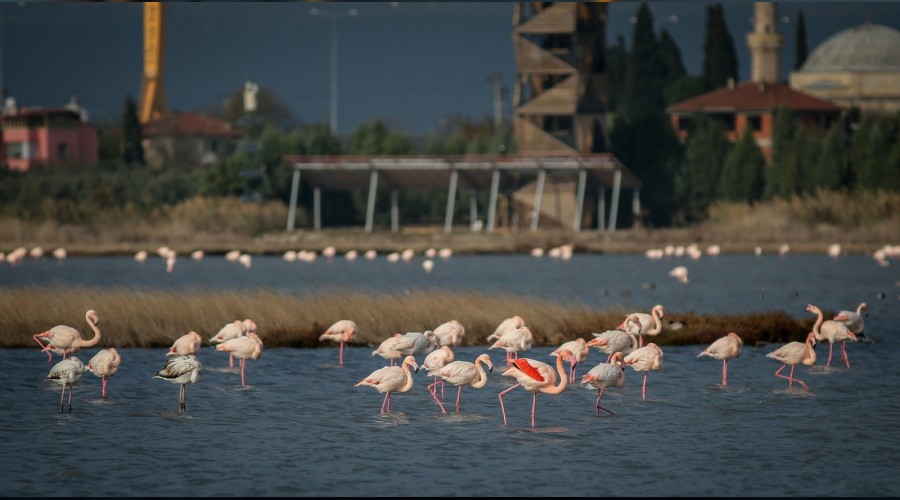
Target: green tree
[
  {"x": 697, "y": 181},
  {"x": 742, "y": 174},
  {"x": 132, "y": 135},
  {"x": 870, "y": 171},
  {"x": 799, "y": 163},
  {"x": 617, "y": 66},
  {"x": 831, "y": 169},
  {"x": 800, "y": 50},
  {"x": 780, "y": 182},
  {"x": 646, "y": 74},
  {"x": 719, "y": 57}
]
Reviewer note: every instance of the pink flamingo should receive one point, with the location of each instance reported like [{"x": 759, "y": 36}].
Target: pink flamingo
[
  {"x": 433, "y": 361},
  {"x": 189, "y": 343},
  {"x": 506, "y": 325},
  {"x": 181, "y": 370},
  {"x": 243, "y": 348},
  {"x": 724, "y": 348},
  {"x": 647, "y": 324},
  {"x": 460, "y": 373},
  {"x": 832, "y": 331},
  {"x": 230, "y": 331},
  {"x": 415, "y": 343},
  {"x": 535, "y": 376},
  {"x": 855, "y": 321},
  {"x": 513, "y": 342},
  {"x": 66, "y": 340},
  {"x": 391, "y": 379},
  {"x": 579, "y": 349},
  {"x": 386, "y": 352},
  {"x": 66, "y": 373},
  {"x": 342, "y": 331},
  {"x": 605, "y": 375},
  {"x": 794, "y": 354},
  {"x": 450, "y": 333},
  {"x": 644, "y": 359},
  {"x": 105, "y": 364},
  {"x": 613, "y": 341}
]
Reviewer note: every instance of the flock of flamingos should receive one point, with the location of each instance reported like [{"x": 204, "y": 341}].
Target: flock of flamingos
[{"x": 623, "y": 345}]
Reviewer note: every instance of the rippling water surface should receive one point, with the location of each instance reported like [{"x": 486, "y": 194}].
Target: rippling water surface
[{"x": 300, "y": 427}]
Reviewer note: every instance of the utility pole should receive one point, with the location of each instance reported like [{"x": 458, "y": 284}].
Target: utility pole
[{"x": 498, "y": 98}]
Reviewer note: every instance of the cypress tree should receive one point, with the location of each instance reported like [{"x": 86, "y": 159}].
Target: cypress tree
[
  {"x": 645, "y": 77},
  {"x": 720, "y": 59},
  {"x": 783, "y": 131},
  {"x": 617, "y": 59},
  {"x": 742, "y": 174},
  {"x": 132, "y": 135},
  {"x": 697, "y": 181},
  {"x": 800, "y": 44},
  {"x": 831, "y": 169}
]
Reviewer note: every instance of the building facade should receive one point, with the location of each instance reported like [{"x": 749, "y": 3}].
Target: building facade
[
  {"x": 38, "y": 136},
  {"x": 188, "y": 139}
]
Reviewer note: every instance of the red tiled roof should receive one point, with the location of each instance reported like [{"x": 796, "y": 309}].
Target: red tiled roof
[
  {"x": 190, "y": 123},
  {"x": 752, "y": 96}
]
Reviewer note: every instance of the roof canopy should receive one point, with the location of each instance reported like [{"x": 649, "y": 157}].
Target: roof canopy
[{"x": 752, "y": 96}]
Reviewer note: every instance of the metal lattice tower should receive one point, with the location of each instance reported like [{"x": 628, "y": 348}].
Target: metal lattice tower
[{"x": 560, "y": 94}]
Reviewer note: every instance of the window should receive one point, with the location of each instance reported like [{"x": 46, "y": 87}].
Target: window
[
  {"x": 21, "y": 150},
  {"x": 62, "y": 151},
  {"x": 755, "y": 123}
]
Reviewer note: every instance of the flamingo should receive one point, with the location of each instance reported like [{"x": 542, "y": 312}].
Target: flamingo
[
  {"x": 643, "y": 321},
  {"x": 415, "y": 343},
  {"x": 680, "y": 273},
  {"x": 386, "y": 352},
  {"x": 724, "y": 348},
  {"x": 181, "y": 370},
  {"x": 644, "y": 359},
  {"x": 535, "y": 376},
  {"x": 66, "y": 340},
  {"x": 189, "y": 343},
  {"x": 433, "y": 361},
  {"x": 579, "y": 349},
  {"x": 60, "y": 253},
  {"x": 793, "y": 354},
  {"x": 450, "y": 333},
  {"x": 460, "y": 373},
  {"x": 832, "y": 331},
  {"x": 341, "y": 331},
  {"x": 854, "y": 320},
  {"x": 428, "y": 265},
  {"x": 514, "y": 342},
  {"x": 506, "y": 325},
  {"x": 243, "y": 348},
  {"x": 197, "y": 254},
  {"x": 613, "y": 341},
  {"x": 66, "y": 373},
  {"x": 611, "y": 374},
  {"x": 230, "y": 331},
  {"x": 390, "y": 379},
  {"x": 105, "y": 364},
  {"x": 140, "y": 256}
]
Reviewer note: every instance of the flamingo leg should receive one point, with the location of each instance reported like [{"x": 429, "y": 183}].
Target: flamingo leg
[
  {"x": 458, "y": 394},
  {"x": 644, "y": 387},
  {"x": 389, "y": 402},
  {"x": 392, "y": 363},
  {"x": 70, "y": 398},
  {"x": 61, "y": 396},
  {"x": 44, "y": 348},
  {"x": 830, "y": 347},
  {"x": 384, "y": 403},
  {"x": 103, "y": 387},
  {"x": 533, "y": 407},
  {"x": 609, "y": 357},
  {"x": 243, "y": 364},
  {"x": 230, "y": 361},
  {"x": 432, "y": 388},
  {"x": 442, "y": 389},
  {"x": 501, "y": 400},
  {"x": 181, "y": 398},
  {"x": 844, "y": 354},
  {"x": 641, "y": 340},
  {"x": 725, "y": 372},
  {"x": 341, "y": 355},
  {"x": 600, "y": 395}
]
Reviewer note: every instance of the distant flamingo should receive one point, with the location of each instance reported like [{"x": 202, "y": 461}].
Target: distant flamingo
[
  {"x": 433, "y": 361},
  {"x": 386, "y": 352},
  {"x": 645, "y": 324},
  {"x": 613, "y": 341},
  {"x": 243, "y": 348},
  {"x": 513, "y": 342},
  {"x": 855, "y": 321},
  {"x": 645, "y": 359},
  {"x": 832, "y": 331},
  {"x": 535, "y": 376},
  {"x": 189, "y": 343},
  {"x": 140, "y": 256},
  {"x": 416, "y": 343},
  {"x": 105, "y": 364},
  {"x": 724, "y": 348},
  {"x": 391, "y": 379},
  {"x": 605, "y": 375},
  {"x": 181, "y": 370},
  {"x": 506, "y": 325},
  {"x": 579, "y": 349},
  {"x": 66, "y": 373},
  {"x": 60, "y": 253},
  {"x": 66, "y": 340},
  {"x": 460, "y": 373},
  {"x": 230, "y": 331},
  {"x": 793, "y": 354},
  {"x": 450, "y": 333},
  {"x": 341, "y": 331}
]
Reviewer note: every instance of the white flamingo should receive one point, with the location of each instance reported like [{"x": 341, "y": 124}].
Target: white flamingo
[
  {"x": 724, "y": 348},
  {"x": 460, "y": 373}
]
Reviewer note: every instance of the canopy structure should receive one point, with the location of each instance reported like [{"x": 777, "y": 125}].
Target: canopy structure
[{"x": 395, "y": 173}]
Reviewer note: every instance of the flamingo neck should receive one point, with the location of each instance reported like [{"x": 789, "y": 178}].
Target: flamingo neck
[
  {"x": 563, "y": 378},
  {"x": 859, "y": 309},
  {"x": 409, "y": 379},
  {"x": 657, "y": 324},
  {"x": 818, "y": 324},
  {"x": 482, "y": 376},
  {"x": 93, "y": 341},
  {"x": 810, "y": 352}
]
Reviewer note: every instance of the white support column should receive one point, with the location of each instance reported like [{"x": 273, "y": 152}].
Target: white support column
[
  {"x": 579, "y": 201},
  {"x": 614, "y": 204},
  {"x": 636, "y": 205},
  {"x": 317, "y": 209},
  {"x": 601, "y": 208},
  {"x": 473, "y": 209},
  {"x": 292, "y": 210},
  {"x": 395, "y": 211},
  {"x": 370, "y": 208},
  {"x": 492, "y": 204},
  {"x": 451, "y": 202},
  {"x": 538, "y": 194}
]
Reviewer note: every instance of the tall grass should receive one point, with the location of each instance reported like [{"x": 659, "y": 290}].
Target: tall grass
[{"x": 130, "y": 318}]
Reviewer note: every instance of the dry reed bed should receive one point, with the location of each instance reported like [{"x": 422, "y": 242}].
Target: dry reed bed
[{"x": 132, "y": 318}]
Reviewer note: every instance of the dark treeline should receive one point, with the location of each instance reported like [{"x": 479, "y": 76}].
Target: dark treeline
[{"x": 645, "y": 76}]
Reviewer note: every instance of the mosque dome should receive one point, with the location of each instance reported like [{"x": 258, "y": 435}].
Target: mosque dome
[{"x": 863, "y": 48}]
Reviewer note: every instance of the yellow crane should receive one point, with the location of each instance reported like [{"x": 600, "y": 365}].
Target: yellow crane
[{"x": 153, "y": 97}]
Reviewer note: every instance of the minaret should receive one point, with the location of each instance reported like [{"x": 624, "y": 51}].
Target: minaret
[{"x": 765, "y": 43}]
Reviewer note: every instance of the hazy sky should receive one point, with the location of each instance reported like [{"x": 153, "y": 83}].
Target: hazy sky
[{"x": 409, "y": 63}]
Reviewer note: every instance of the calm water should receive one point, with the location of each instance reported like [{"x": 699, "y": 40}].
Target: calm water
[{"x": 301, "y": 428}]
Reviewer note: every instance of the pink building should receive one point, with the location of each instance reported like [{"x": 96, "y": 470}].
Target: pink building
[{"x": 47, "y": 137}]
